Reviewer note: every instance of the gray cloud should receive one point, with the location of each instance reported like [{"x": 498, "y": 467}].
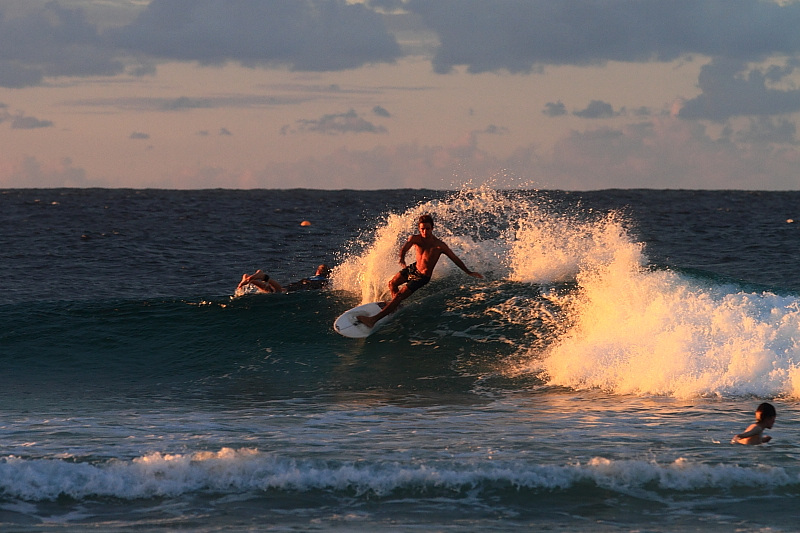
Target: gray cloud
[
  {"x": 184, "y": 102},
  {"x": 333, "y": 124},
  {"x": 51, "y": 40},
  {"x": 326, "y": 35},
  {"x": 492, "y": 129},
  {"x": 729, "y": 89},
  {"x": 139, "y": 135},
  {"x": 523, "y": 35},
  {"x": 596, "y": 109},
  {"x": 42, "y": 39},
  {"x": 381, "y": 111},
  {"x": 554, "y": 109},
  {"x": 311, "y": 35},
  {"x": 765, "y": 131},
  {"x": 187, "y": 103},
  {"x": 28, "y": 123}
]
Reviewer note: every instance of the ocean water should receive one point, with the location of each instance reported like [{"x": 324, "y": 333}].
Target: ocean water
[{"x": 592, "y": 381}]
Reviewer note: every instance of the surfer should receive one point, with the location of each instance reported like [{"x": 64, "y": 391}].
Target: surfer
[
  {"x": 319, "y": 280},
  {"x": 428, "y": 249},
  {"x": 261, "y": 281},
  {"x": 765, "y": 419}
]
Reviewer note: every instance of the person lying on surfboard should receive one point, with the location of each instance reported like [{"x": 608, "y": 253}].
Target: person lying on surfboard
[
  {"x": 261, "y": 281},
  {"x": 428, "y": 249},
  {"x": 319, "y": 280}
]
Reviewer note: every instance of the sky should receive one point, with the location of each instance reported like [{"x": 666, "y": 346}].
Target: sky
[{"x": 377, "y": 94}]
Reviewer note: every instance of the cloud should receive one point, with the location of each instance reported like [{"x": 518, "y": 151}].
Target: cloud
[
  {"x": 729, "y": 89},
  {"x": 596, "y": 109},
  {"x": 380, "y": 111},
  {"x": 401, "y": 166},
  {"x": 15, "y": 76},
  {"x": 765, "y": 130},
  {"x": 349, "y": 122},
  {"x": 492, "y": 129},
  {"x": 139, "y": 135},
  {"x": 39, "y": 39},
  {"x": 223, "y": 132},
  {"x": 43, "y": 39},
  {"x": 50, "y": 40},
  {"x": 30, "y": 172},
  {"x": 184, "y": 102},
  {"x": 554, "y": 109},
  {"x": 664, "y": 153},
  {"x": 28, "y": 123},
  {"x": 524, "y": 35},
  {"x": 307, "y": 35},
  {"x": 242, "y": 101}
]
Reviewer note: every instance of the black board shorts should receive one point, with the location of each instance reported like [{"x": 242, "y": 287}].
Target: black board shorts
[{"x": 414, "y": 280}]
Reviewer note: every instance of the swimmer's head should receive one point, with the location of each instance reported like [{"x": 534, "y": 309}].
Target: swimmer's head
[
  {"x": 766, "y": 412},
  {"x": 425, "y": 219}
]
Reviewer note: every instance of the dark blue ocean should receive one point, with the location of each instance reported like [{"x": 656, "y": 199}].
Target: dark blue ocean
[{"x": 591, "y": 382}]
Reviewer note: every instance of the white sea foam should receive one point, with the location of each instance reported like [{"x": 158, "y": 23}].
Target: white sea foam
[
  {"x": 236, "y": 471},
  {"x": 636, "y": 331}
]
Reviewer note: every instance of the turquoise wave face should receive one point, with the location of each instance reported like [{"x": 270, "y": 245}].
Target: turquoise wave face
[{"x": 259, "y": 347}]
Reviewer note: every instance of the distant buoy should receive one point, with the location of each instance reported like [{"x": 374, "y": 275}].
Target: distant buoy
[
  {"x": 789, "y": 220},
  {"x": 305, "y": 223}
]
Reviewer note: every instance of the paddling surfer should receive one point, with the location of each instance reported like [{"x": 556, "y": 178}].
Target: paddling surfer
[
  {"x": 428, "y": 249},
  {"x": 319, "y": 280},
  {"x": 261, "y": 281}
]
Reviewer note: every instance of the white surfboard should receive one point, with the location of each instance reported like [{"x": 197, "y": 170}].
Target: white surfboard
[{"x": 348, "y": 326}]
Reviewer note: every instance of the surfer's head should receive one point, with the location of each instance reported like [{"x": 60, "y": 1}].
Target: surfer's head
[{"x": 425, "y": 225}]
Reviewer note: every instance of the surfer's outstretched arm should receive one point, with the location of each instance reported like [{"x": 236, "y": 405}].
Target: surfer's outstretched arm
[{"x": 459, "y": 263}]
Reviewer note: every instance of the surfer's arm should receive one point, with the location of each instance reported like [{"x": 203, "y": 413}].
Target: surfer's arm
[
  {"x": 404, "y": 250},
  {"x": 458, "y": 262}
]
